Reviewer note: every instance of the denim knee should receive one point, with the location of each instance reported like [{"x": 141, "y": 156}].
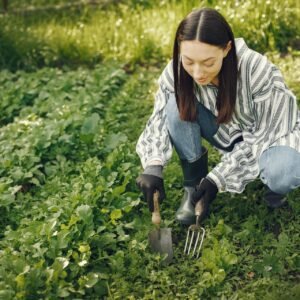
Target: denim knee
[
  {"x": 185, "y": 136},
  {"x": 279, "y": 169}
]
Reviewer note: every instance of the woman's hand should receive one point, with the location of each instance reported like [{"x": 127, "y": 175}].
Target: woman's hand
[
  {"x": 205, "y": 192},
  {"x": 149, "y": 183}
]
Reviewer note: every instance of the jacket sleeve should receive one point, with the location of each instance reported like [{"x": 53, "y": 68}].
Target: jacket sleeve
[
  {"x": 275, "y": 114},
  {"x": 154, "y": 143}
]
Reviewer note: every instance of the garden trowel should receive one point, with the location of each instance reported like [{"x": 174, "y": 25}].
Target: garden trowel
[{"x": 160, "y": 239}]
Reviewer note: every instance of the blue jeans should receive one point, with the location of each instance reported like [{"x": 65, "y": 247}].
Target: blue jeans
[{"x": 279, "y": 166}]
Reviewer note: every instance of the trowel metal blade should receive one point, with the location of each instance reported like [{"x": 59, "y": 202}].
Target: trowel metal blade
[{"x": 160, "y": 241}]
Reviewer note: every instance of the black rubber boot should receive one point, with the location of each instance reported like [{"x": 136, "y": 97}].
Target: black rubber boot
[
  {"x": 192, "y": 174},
  {"x": 274, "y": 200}
]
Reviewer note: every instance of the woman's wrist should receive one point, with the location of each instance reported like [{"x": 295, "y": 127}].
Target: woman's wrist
[{"x": 155, "y": 170}]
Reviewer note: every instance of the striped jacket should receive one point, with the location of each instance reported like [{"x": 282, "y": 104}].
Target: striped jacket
[{"x": 266, "y": 115}]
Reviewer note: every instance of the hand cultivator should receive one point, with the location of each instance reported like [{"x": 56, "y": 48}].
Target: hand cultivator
[{"x": 195, "y": 235}]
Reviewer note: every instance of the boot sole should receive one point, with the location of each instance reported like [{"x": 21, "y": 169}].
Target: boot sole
[{"x": 189, "y": 221}]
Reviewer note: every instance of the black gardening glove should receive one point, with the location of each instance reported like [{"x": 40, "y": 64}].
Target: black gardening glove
[
  {"x": 206, "y": 191},
  {"x": 151, "y": 181}
]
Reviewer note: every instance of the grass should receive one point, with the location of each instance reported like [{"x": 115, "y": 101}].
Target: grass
[{"x": 135, "y": 34}]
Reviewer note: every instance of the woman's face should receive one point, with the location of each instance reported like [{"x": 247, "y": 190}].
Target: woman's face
[{"x": 202, "y": 61}]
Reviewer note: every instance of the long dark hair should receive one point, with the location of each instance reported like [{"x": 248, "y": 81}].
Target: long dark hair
[{"x": 208, "y": 26}]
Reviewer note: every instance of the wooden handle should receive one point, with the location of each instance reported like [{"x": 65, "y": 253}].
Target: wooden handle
[
  {"x": 156, "y": 214},
  {"x": 199, "y": 208}
]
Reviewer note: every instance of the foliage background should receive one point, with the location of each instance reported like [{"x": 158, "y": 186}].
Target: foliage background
[{"x": 77, "y": 85}]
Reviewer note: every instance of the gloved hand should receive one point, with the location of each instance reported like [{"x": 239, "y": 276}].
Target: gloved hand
[
  {"x": 150, "y": 181},
  {"x": 206, "y": 191}
]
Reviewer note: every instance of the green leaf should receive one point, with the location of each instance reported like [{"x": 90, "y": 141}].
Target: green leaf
[
  {"x": 63, "y": 239},
  {"x": 6, "y": 199},
  {"x": 107, "y": 239},
  {"x": 63, "y": 292},
  {"x": 90, "y": 125},
  {"x": 85, "y": 213},
  {"x": 116, "y": 214},
  {"x": 91, "y": 280},
  {"x": 35, "y": 181},
  {"x": 114, "y": 140},
  {"x": 231, "y": 259},
  {"x": 117, "y": 191},
  {"x": 84, "y": 248}
]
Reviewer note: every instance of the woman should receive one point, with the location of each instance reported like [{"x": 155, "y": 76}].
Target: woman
[{"x": 218, "y": 89}]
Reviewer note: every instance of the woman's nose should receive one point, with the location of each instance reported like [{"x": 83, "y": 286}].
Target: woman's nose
[{"x": 198, "y": 73}]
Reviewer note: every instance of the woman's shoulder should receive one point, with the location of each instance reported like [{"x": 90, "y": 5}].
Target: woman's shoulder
[
  {"x": 166, "y": 79},
  {"x": 251, "y": 62}
]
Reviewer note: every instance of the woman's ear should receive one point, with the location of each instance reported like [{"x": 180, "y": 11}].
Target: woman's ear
[{"x": 227, "y": 49}]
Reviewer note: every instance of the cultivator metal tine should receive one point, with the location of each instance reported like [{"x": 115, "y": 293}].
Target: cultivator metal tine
[
  {"x": 194, "y": 241},
  {"x": 195, "y": 235},
  {"x": 187, "y": 245},
  {"x": 201, "y": 242}
]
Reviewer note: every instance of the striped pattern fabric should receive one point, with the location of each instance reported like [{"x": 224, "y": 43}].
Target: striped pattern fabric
[{"x": 266, "y": 115}]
